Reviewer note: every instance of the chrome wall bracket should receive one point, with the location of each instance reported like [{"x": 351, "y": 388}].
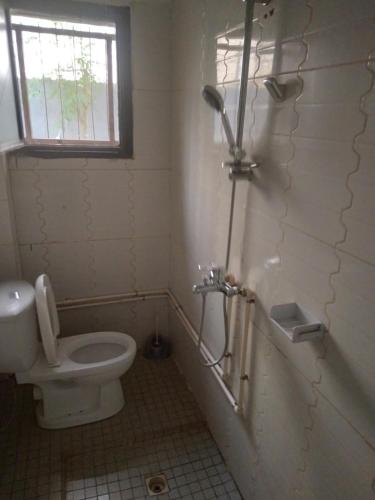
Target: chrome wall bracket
[
  {"x": 241, "y": 170},
  {"x": 276, "y": 90}
]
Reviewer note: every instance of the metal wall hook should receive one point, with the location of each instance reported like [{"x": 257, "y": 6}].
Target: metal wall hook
[{"x": 276, "y": 90}]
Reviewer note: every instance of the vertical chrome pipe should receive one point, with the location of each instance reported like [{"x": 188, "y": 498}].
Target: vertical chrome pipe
[
  {"x": 241, "y": 110},
  {"x": 244, "y": 72},
  {"x": 230, "y": 224}
]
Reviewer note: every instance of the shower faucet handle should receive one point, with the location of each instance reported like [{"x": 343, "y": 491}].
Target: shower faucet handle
[
  {"x": 211, "y": 273},
  {"x": 217, "y": 281}
]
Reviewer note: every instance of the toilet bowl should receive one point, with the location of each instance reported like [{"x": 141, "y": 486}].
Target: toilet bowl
[{"x": 76, "y": 379}]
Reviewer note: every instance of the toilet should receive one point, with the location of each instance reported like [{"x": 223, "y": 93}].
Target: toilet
[{"x": 76, "y": 379}]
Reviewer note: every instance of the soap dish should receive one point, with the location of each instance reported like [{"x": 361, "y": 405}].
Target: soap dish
[{"x": 296, "y": 323}]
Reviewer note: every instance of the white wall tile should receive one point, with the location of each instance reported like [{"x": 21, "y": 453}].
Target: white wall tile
[
  {"x": 152, "y": 263},
  {"x": 3, "y": 180},
  {"x": 359, "y": 218},
  {"x": 360, "y": 240},
  {"x": 315, "y": 220},
  {"x": 64, "y": 206},
  {"x": 67, "y": 264},
  {"x": 335, "y": 85},
  {"x": 348, "y": 368},
  {"x": 34, "y": 261},
  {"x": 8, "y": 264},
  {"x": 325, "y": 14},
  {"x": 151, "y": 46},
  {"x": 344, "y": 43},
  {"x": 30, "y": 222},
  {"x": 286, "y": 398},
  {"x": 286, "y": 57},
  {"x": 152, "y": 203},
  {"x": 338, "y": 463},
  {"x": 114, "y": 270},
  {"x": 109, "y": 204},
  {"x": 322, "y": 158},
  {"x": 187, "y": 18},
  {"x": 151, "y": 124},
  {"x": 287, "y": 21},
  {"x": 5, "y": 224},
  {"x": 334, "y": 122},
  {"x": 69, "y": 269}
]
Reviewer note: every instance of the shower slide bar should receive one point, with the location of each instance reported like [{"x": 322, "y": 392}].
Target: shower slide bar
[{"x": 217, "y": 370}]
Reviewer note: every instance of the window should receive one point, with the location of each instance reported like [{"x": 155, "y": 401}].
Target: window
[{"x": 74, "y": 90}]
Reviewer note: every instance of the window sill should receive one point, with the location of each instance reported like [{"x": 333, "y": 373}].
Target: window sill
[{"x": 41, "y": 151}]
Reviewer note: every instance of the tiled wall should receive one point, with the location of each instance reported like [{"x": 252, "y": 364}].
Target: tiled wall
[
  {"x": 8, "y": 252},
  {"x": 304, "y": 231},
  {"x": 100, "y": 227}
]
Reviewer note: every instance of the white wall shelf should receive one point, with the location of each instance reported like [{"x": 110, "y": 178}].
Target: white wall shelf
[{"x": 296, "y": 323}]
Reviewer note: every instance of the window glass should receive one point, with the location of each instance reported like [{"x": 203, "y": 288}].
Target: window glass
[{"x": 67, "y": 75}]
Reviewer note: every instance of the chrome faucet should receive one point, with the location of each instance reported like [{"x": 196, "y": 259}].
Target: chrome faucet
[{"x": 215, "y": 281}]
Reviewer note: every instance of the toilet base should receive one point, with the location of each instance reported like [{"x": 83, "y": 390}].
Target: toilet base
[{"x": 68, "y": 404}]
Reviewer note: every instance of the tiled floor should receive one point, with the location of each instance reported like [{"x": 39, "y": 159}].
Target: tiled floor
[{"x": 160, "y": 430}]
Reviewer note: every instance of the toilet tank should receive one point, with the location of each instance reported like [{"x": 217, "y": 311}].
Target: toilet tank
[{"x": 19, "y": 344}]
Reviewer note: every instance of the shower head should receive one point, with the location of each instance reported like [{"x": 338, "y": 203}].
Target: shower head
[{"x": 215, "y": 100}]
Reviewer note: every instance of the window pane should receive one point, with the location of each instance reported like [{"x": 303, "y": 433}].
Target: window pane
[
  {"x": 115, "y": 91},
  {"x": 67, "y": 86},
  {"x": 62, "y": 24}
]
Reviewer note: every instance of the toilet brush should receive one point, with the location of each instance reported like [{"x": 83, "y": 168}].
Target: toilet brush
[{"x": 157, "y": 346}]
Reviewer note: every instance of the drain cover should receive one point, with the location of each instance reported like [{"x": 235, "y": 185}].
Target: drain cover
[{"x": 156, "y": 485}]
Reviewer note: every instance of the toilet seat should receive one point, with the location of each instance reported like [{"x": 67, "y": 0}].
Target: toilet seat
[
  {"x": 48, "y": 318},
  {"x": 68, "y": 369}
]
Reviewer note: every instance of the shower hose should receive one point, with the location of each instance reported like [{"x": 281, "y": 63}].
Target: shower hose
[{"x": 226, "y": 332}]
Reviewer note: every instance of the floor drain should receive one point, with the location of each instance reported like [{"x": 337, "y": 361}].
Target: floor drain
[{"x": 156, "y": 485}]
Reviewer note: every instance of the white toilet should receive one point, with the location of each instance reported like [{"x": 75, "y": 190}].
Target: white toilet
[{"x": 76, "y": 379}]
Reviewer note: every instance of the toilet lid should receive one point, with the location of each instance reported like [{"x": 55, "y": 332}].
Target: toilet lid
[{"x": 48, "y": 318}]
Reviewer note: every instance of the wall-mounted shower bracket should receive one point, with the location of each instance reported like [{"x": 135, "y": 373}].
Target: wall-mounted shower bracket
[
  {"x": 241, "y": 170},
  {"x": 276, "y": 90}
]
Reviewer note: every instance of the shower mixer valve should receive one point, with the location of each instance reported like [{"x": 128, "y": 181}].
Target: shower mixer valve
[{"x": 215, "y": 280}]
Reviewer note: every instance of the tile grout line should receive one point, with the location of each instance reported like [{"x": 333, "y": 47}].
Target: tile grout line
[
  {"x": 87, "y": 212},
  {"x": 41, "y": 215},
  {"x": 132, "y": 248},
  {"x": 357, "y": 62}
]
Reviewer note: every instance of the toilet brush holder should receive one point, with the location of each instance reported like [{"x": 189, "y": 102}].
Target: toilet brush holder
[{"x": 157, "y": 347}]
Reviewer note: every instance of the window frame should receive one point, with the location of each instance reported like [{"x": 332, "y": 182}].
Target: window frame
[{"x": 120, "y": 17}]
